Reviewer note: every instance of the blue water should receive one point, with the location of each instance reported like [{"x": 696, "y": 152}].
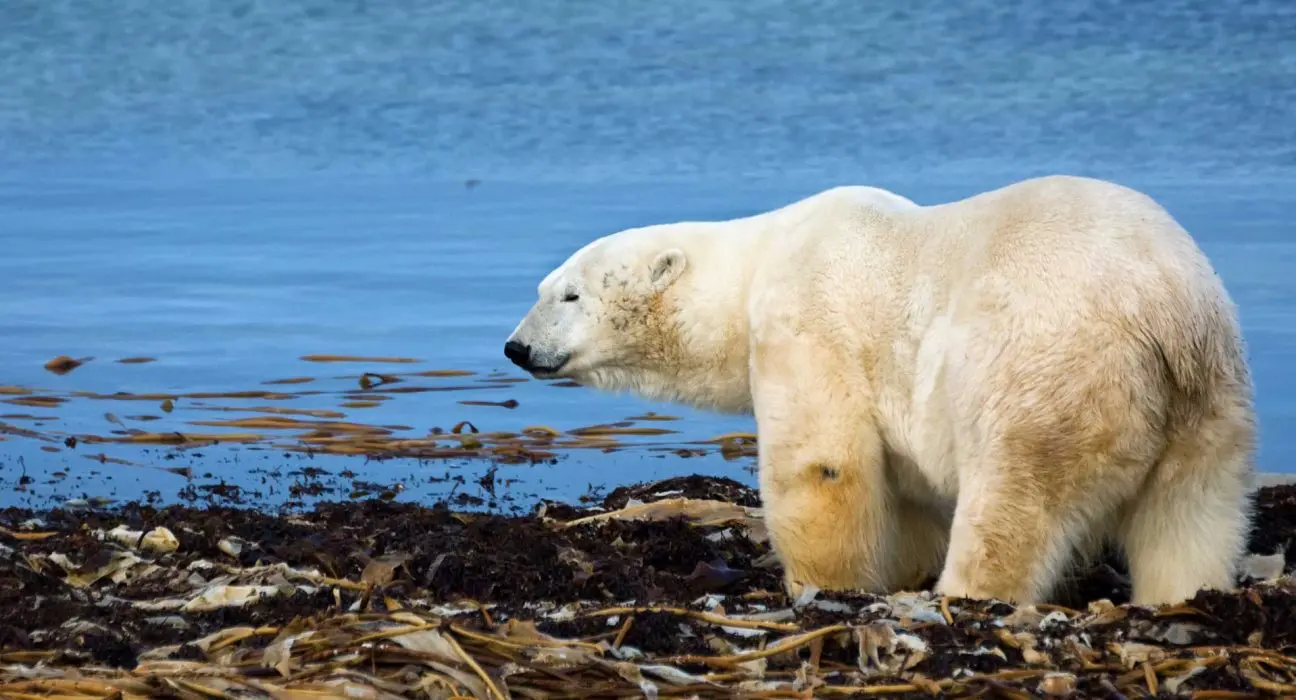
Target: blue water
[{"x": 229, "y": 186}]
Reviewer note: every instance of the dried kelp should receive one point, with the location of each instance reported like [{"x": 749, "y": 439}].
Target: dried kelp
[{"x": 664, "y": 590}]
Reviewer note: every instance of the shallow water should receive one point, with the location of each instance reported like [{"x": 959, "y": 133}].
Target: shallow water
[{"x": 229, "y": 187}]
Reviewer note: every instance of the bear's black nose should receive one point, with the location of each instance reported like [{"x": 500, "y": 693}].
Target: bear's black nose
[{"x": 518, "y": 354}]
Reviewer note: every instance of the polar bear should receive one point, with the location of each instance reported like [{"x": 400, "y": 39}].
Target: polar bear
[{"x": 979, "y": 391}]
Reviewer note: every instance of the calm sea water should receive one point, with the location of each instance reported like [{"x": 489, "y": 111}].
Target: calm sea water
[{"x": 229, "y": 186}]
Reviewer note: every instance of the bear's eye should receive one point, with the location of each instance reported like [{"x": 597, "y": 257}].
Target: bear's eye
[{"x": 571, "y": 296}]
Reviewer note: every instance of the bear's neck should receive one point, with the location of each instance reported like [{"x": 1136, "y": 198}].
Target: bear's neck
[{"x": 703, "y": 358}]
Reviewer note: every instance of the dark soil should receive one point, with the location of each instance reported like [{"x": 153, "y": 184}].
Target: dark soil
[{"x": 442, "y": 555}]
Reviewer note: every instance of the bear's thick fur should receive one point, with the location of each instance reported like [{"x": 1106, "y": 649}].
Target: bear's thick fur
[{"x": 980, "y": 389}]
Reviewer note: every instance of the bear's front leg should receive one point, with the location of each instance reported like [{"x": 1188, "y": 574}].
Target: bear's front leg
[{"x": 826, "y": 500}]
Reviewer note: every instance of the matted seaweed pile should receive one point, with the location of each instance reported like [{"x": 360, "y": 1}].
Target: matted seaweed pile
[
  {"x": 280, "y": 422},
  {"x": 665, "y": 590}
]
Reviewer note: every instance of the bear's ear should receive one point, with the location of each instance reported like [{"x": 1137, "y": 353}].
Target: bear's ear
[{"x": 667, "y": 267}]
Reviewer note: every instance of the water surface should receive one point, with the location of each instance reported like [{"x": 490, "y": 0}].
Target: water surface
[{"x": 227, "y": 187}]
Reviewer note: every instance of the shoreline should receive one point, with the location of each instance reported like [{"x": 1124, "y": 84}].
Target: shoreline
[
  {"x": 664, "y": 587},
  {"x": 1265, "y": 479},
  {"x": 220, "y": 496}
]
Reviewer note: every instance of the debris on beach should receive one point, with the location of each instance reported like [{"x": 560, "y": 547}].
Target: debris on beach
[{"x": 659, "y": 590}]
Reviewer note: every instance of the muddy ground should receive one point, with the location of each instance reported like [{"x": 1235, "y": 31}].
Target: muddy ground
[{"x": 58, "y": 593}]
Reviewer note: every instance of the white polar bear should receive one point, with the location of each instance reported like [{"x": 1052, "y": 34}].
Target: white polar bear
[{"x": 982, "y": 389}]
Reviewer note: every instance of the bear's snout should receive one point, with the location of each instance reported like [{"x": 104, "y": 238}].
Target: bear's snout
[{"x": 518, "y": 353}]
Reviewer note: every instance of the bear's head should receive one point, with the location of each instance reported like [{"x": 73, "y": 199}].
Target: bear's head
[{"x": 605, "y": 316}]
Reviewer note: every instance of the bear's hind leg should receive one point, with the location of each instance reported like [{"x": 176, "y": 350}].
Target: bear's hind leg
[
  {"x": 1029, "y": 507},
  {"x": 1054, "y": 439},
  {"x": 1010, "y": 542},
  {"x": 1189, "y": 526}
]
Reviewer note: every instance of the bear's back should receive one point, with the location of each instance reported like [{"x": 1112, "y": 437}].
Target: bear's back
[{"x": 1046, "y": 246}]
